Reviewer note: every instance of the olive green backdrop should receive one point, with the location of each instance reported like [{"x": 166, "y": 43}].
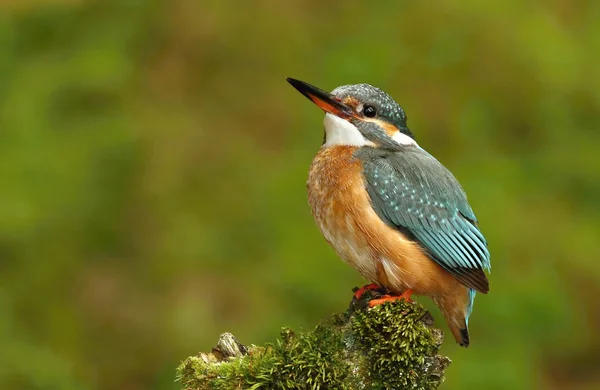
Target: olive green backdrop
[{"x": 153, "y": 164}]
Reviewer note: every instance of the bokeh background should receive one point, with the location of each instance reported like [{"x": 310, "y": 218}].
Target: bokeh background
[{"x": 153, "y": 164}]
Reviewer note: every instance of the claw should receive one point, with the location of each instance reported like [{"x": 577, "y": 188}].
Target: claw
[
  {"x": 392, "y": 298},
  {"x": 358, "y": 293}
]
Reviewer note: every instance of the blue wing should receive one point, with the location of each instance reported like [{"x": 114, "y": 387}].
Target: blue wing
[{"x": 414, "y": 193}]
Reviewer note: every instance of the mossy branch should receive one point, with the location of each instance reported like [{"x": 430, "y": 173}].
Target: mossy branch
[{"x": 390, "y": 346}]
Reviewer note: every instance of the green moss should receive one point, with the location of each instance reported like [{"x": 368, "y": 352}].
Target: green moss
[
  {"x": 310, "y": 360},
  {"x": 396, "y": 343},
  {"x": 244, "y": 373},
  {"x": 387, "y": 347},
  {"x": 297, "y": 361}
]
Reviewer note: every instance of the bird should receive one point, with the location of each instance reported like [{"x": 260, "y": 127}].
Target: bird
[{"x": 390, "y": 209}]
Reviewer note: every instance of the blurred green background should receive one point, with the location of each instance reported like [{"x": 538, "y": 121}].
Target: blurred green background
[{"x": 153, "y": 164}]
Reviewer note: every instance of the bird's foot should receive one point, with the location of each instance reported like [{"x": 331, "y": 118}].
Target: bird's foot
[
  {"x": 392, "y": 298},
  {"x": 369, "y": 287}
]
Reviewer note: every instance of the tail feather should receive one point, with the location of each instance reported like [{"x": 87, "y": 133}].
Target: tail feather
[
  {"x": 456, "y": 308},
  {"x": 460, "y": 331},
  {"x": 464, "y": 333}
]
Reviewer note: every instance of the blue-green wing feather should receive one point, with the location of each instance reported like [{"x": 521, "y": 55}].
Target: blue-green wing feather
[{"x": 411, "y": 191}]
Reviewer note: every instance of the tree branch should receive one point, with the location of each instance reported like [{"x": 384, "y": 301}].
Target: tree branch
[{"x": 390, "y": 346}]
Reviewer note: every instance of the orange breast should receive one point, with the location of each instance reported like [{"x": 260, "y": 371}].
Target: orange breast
[
  {"x": 381, "y": 254},
  {"x": 335, "y": 194}
]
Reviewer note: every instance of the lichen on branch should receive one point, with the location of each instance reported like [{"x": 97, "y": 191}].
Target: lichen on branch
[{"x": 390, "y": 346}]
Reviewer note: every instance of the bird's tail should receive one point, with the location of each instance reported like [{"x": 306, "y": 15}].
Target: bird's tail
[
  {"x": 460, "y": 333},
  {"x": 456, "y": 309}
]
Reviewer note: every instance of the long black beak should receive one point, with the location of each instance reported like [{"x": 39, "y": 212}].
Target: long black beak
[{"x": 326, "y": 101}]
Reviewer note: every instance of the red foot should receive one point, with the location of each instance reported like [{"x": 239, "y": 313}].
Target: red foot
[
  {"x": 363, "y": 289},
  {"x": 392, "y": 298}
]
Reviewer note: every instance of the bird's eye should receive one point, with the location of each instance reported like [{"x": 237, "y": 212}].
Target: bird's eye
[{"x": 369, "y": 111}]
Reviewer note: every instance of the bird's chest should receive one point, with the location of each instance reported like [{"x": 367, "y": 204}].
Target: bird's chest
[{"x": 339, "y": 201}]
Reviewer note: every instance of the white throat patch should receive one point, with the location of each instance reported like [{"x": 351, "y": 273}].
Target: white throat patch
[{"x": 339, "y": 131}]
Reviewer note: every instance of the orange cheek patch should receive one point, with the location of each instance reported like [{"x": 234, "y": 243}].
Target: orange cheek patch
[{"x": 390, "y": 129}]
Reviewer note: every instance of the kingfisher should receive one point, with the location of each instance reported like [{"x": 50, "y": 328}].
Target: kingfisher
[{"x": 390, "y": 209}]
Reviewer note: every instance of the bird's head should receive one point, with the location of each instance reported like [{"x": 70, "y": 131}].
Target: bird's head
[{"x": 359, "y": 115}]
